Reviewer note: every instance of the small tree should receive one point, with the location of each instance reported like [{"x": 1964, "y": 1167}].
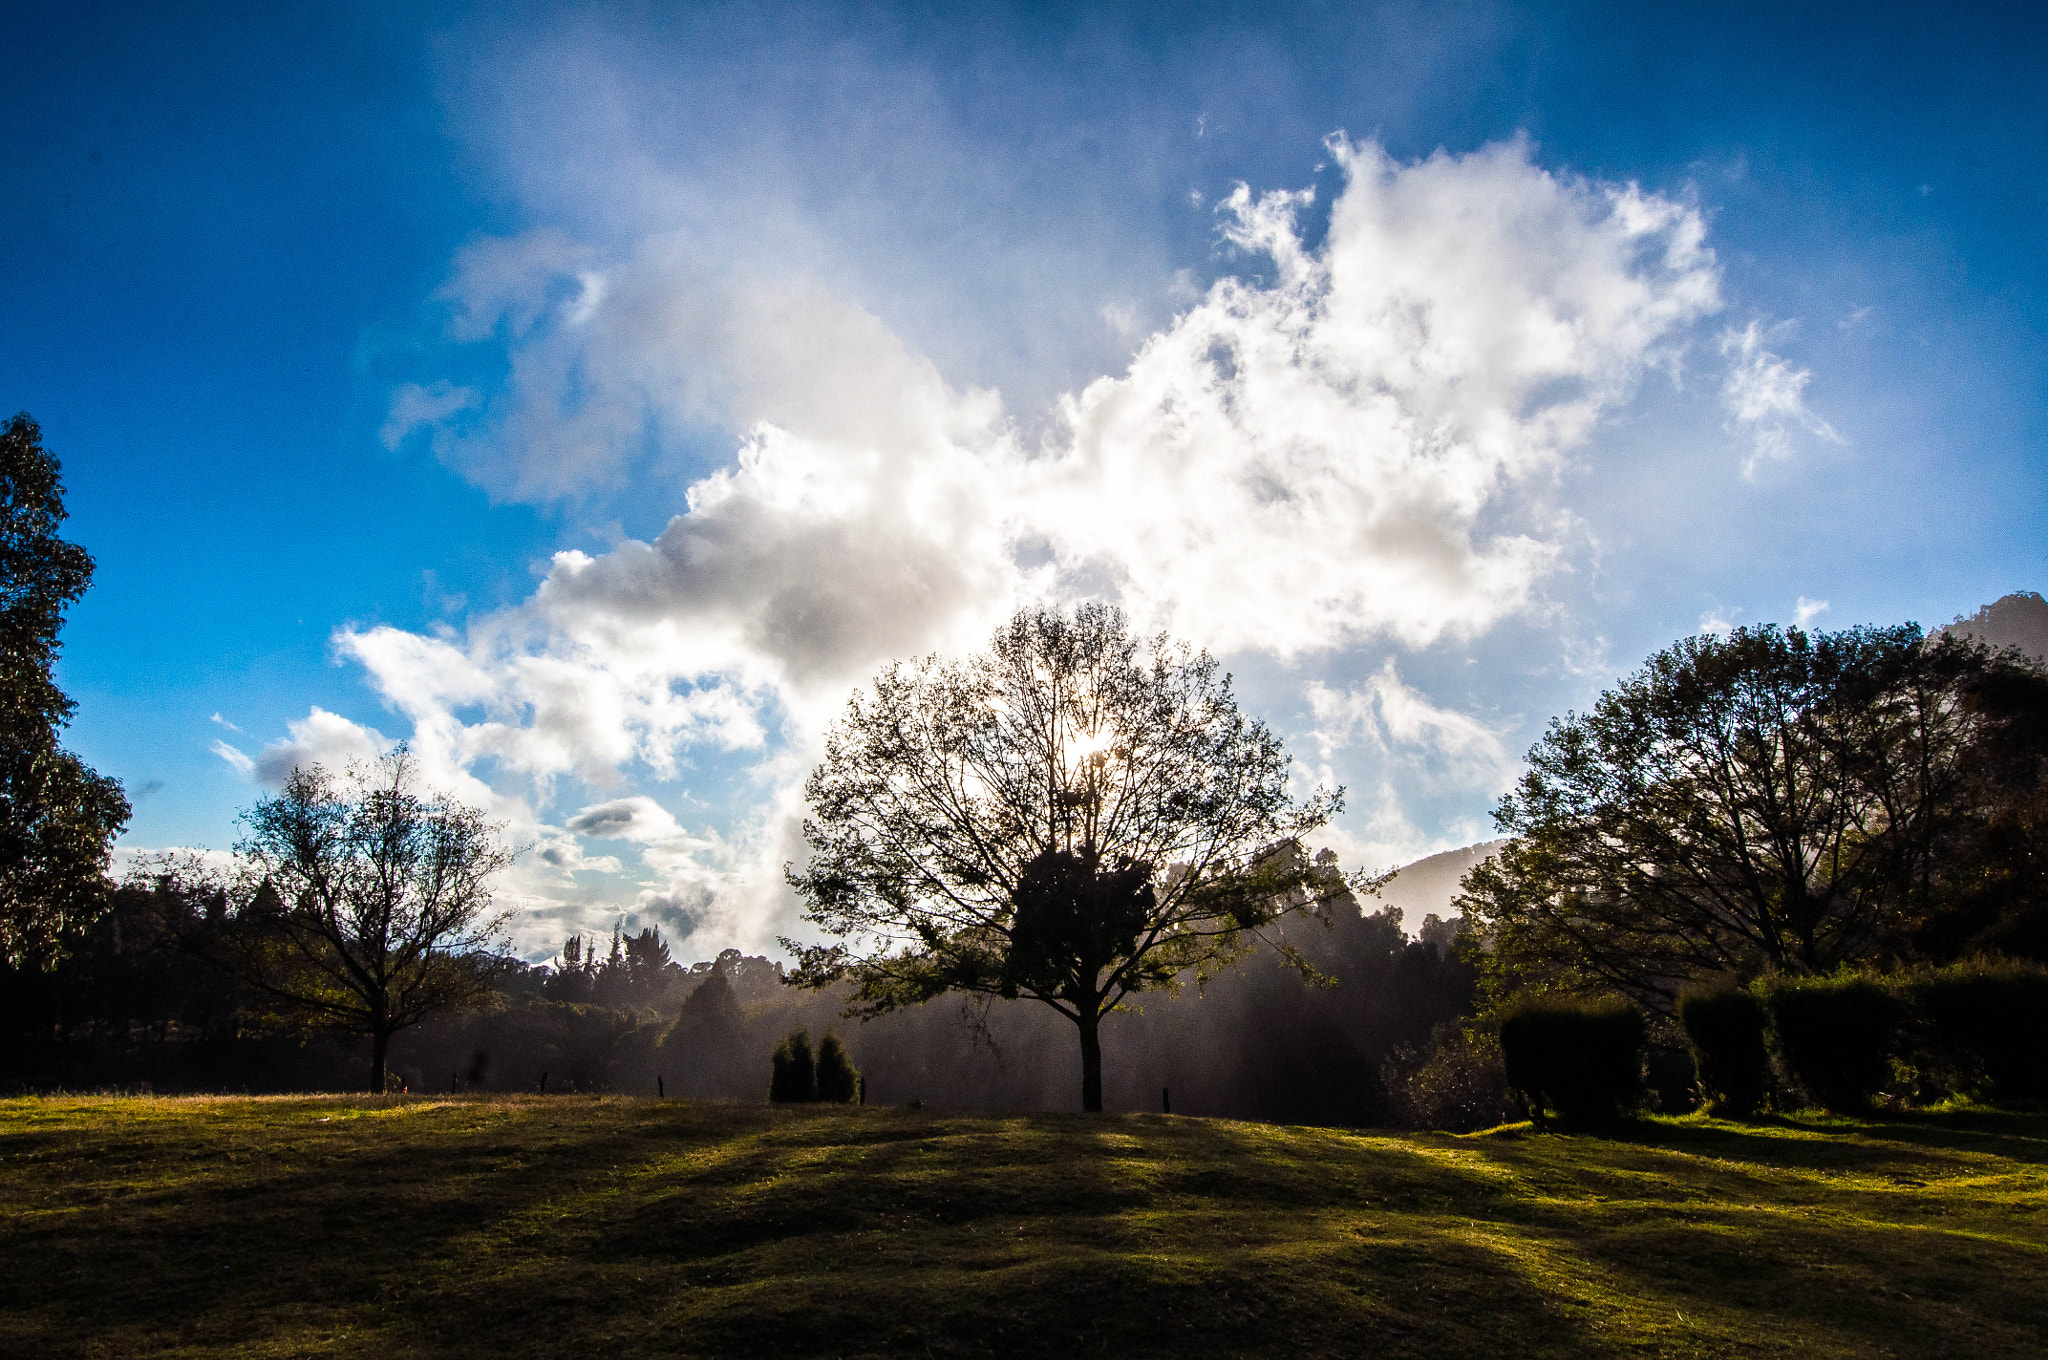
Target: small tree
[
  {"x": 838, "y": 1078},
  {"x": 1072, "y": 817},
  {"x": 374, "y": 901},
  {"x": 792, "y": 1075}
]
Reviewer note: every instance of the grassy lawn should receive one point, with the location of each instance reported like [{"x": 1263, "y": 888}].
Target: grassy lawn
[{"x": 612, "y": 1227}]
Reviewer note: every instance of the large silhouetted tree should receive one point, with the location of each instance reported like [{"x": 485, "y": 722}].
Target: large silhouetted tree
[
  {"x": 1767, "y": 801},
  {"x": 57, "y": 817},
  {"x": 1073, "y": 816},
  {"x": 378, "y": 907}
]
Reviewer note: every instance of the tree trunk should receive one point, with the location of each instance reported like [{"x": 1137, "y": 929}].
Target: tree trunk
[
  {"x": 1091, "y": 1062},
  {"x": 380, "y": 1043}
]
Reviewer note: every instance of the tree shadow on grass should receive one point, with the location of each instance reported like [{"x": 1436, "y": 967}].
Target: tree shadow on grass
[
  {"x": 1070, "y": 1236},
  {"x": 1874, "y": 1145},
  {"x": 236, "y": 1226}
]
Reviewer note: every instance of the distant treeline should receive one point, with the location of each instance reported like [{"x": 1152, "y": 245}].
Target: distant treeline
[{"x": 144, "y": 1005}]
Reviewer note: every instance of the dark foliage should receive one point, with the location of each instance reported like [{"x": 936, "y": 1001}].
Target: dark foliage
[
  {"x": 1457, "y": 1084},
  {"x": 838, "y": 1078},
  {"x": 793, "y": 1075},
  {"x": 1836, "y": 1036},
  {"x": 374, "y": 908},
  {"x": 57, "y": 817},
  {"x": 1724, "y": 1028},
  {"x": 1772, "y": 802},
  {"x": 1989, "y": 1020},
  {"x": 1993, "y": 864},
  {"x": 1074, "y": 817},
  {"x": 1583, "y": 1061}
]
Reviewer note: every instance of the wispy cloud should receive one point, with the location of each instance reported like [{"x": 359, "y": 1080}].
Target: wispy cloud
[
  {"x": 240, "y": 763},
  {"x": 1401, "y": 721},
  {"x": 1806, "y": 611},
  {"x": 1765, "y": 396}
]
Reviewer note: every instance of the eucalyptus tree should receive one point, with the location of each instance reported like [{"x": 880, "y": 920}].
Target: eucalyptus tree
[{"x": 1073, "y": 816}]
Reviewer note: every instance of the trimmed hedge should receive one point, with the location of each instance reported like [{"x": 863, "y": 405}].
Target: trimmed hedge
[
  {"x": 1724, "y": 1027},
  {"x": 1836, "y": 1036},
  {"x": 793, "y": 1076},
  {"x": 1583, "y": 1061},
  {"x": 1989, "y": 1017}
]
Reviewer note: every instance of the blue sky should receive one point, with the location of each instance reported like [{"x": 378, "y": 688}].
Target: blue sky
[{"x": 1605, "y": 325}]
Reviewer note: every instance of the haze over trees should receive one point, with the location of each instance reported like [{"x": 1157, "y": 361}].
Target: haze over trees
[{"x": 1072, "y": 817}]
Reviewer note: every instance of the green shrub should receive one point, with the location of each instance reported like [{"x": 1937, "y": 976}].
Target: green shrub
[
  {"x": 793, "y": 1076},
  {"x": 1989, "y": 1019},
  {"x": 1724, "y": 1027},
  {"x": 1836, "y": 1036},
  {"x": 1585, "y": 1062},
  {"x": 838, "y": 1078},
  {"x": 1458, "y": 1086}
]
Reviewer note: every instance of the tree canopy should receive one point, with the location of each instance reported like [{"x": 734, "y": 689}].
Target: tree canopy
[
  {"x": 1073, "y": 816},
  {"x": 57, "y": 816},
  {"x": 374, "y": 902},
  {"x": 1766, "y": 801}
]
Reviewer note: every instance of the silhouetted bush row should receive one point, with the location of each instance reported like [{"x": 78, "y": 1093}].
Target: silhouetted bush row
[
  {"x": 795, "y": 1076},
  {"x": 1971, "y": 1028}
]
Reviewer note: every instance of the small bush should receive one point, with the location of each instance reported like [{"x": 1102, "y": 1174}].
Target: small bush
[
  {"x": 838, "y": 1078},
  {"x": 1724, "y": 1027},
  {"x": 1585, "y": 1062},
  {"x": 793, "y": 1076},
  {"x": 1459, "y": 1087},
  {"x": 1836, "y": 1036},
  {"x": 1990, "y": 1021}
]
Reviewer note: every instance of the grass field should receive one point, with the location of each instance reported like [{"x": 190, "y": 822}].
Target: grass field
[{"x": 613, "y": 1227}]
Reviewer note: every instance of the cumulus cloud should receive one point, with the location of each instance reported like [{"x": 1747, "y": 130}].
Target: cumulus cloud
[
  {"x": 320, "y": 738},
  {"x": 1806, "y": 611},
  {"x": 1765, "y": 396},
  {"x": 1345, "y": 451},
  {"x": 1354, "y": 446}
]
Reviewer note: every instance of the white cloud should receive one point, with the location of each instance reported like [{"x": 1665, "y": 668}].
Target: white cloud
[
  {"x": 320, "y": 738},
  {"x": 638, "y": 818},
  {"x": 219, "y": 721},
  {"x": 1808, "y": 610},
  {"x": 1350, "y": 450},
  {"x": 563, "y": 854},
  {"x": 1358, "y": 450},
  {"x": 240, "y": 763},
  {"x": 1719, "y": 622},
  {"x": 1766, "y": 396},
  {"x": 1400, "y": 720}
]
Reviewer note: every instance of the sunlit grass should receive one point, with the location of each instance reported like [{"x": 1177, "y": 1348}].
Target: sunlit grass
[{"x": 584, "y": 1226}]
